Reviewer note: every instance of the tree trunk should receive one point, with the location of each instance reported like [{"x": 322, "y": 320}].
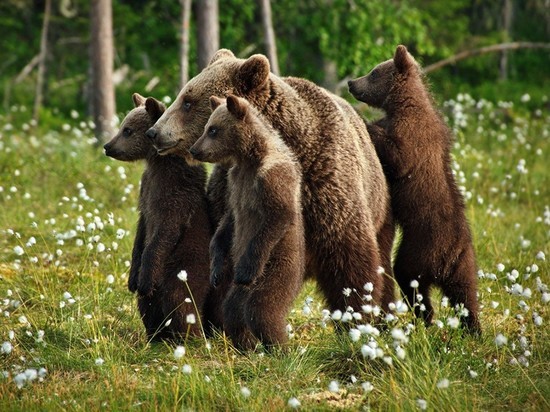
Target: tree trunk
[
  {"x": 208, "y": 32},
  {"x": 269, "y": 36},
  {"x": 507, "y": 15},
  {"x": 103, "y": 93},
  {"x": 185, "y": 16},
  {"x": 39, "y": 92}
]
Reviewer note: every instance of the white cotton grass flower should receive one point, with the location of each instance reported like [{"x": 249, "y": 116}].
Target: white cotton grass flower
[
  {"x": 414, "y": 284},
  {"x": 245, "y": 392},
  {"x": 6, "y": 348},
  {"x": 354, "y": 334},
  {"x": 99, "y": 362},
  {"x": 540, "y": 255},
  {"x": 422, "y": 404},
  {"x": 179, "y": 352},
  {"x": 473, "y": 374},
  {"x": 369, "y": 287},
  {"x": 110, "y": 279},
  {"x": 182, "y": 276},
  {"x": 453, "y": 322},
  {"x": 168, "y": 322},
  {"x": 293, "y": 403},
  {"x": 336, "y": 315},
  {"x": 191, "y": 319},
  {"x": 20, "y": 379},
  {"x": 443, "y": 383},
  {"x": 186, "y": 369},
  {"x": 333, "y": 386},
  {"x": 18, "y": 250},
  {"x": 501, "y": 340},
  {"x": 500, "y": 267},
  {"x": 367, "y": 387}
]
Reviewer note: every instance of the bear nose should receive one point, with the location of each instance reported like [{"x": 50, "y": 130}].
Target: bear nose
[
  {"x": 151, "y": 133},
  {"x": 350, "y": 83},
  {"x": 194, "y": 152},
  {"x": 107, "y": 147}
]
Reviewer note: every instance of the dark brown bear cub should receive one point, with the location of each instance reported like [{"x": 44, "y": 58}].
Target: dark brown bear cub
[
  {"x": 414, "y": 143},
  {"x": 173, "y": 230},
  {"x": 262, "y": 230}
]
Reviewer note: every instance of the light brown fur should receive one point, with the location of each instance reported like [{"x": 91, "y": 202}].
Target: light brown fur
[{"x": 262, "y": 229}]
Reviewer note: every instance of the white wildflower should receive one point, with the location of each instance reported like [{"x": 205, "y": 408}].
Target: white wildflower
[
  {"x": 293, "y": 403},
  {"x": 501, "y": 340},
  {"x": 443, "y": 383},
  {"x": 179, "y": 352}
]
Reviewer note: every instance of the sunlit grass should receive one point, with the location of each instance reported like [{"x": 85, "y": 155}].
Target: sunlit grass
[{"x": 71, "y": 337}]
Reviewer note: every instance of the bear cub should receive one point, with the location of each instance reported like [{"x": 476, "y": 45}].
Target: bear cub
[
  {"x": 413, "y": 143},
  {"x": 173, "y": 231},
  {"x": 262, "y": 230}
]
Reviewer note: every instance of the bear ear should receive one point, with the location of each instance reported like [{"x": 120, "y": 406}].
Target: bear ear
[
  {"x": 221, "y": 54},
  {"x": 215, "y": 101},
  {"x": 402, "y": 59},
  {"x": 237, "y": 107},
  {"x": 154, "y": 108},
  {"x": 138, "y": 99},
  {"x": 253, "y": 73}
]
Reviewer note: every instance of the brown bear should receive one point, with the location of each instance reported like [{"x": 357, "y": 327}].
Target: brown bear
[
  {"x": 414, "y": 144},
  {"x": 262, "y": 230},
  {"x": 344, "y": 191},
  {"x": 173, "y": 230}
]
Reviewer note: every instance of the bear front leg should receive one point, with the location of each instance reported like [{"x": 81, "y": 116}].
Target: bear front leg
[
  {"x": 220, "y": 245},
  {"x": 277, "y": 191},
  {"x": 137, "y": 251},
  {"x": 154, "y": 256}
]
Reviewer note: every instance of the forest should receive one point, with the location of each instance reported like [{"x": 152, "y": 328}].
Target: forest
[{"x": 326, "y": 41}]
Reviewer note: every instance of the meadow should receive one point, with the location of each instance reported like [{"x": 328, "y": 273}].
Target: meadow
[{"x": 71, "y": 337}]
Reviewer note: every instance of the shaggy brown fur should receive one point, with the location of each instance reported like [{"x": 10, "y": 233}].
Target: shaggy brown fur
[
  {"x": 262, "y": 228},
  {"x": 414, "y": 144},
  {"x": 344, "y": 192},
  {"x": 173, "y": 230}
]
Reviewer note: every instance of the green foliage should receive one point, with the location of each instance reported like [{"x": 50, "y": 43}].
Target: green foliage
[{"x": 62, "y": 311}]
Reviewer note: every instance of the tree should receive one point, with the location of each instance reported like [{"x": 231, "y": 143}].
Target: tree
[
  {"x": 39, "y": 93},
  {"x": 102, "y": 94},
  {"x": 269, "y": 35},
  {"x": 208, "y": 35},
  {"x": 185, "y": 17}
]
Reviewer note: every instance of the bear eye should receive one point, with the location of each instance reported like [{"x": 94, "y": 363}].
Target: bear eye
[
  {"x": 186, "y": 106},
  {"x": 375, "y": 74},
  {"x": 212, "y": 131},
  {"x": 126, "y": 132}
]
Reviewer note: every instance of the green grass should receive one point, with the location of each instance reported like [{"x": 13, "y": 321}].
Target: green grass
[{"x": 56, "y": 183}]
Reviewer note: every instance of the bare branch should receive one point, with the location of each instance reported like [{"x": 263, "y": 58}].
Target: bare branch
[{"x": 483, "y": 50}]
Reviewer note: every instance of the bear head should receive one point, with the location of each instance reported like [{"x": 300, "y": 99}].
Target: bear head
[
  {"x": 131, "y": 143},
  {"x": 183, "y": 122},
  {"x": 225, "y": 135},
  {"x": 375, "y": 87}
]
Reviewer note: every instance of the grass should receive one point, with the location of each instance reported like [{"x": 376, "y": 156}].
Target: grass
[{"x": 72, "y": 338}]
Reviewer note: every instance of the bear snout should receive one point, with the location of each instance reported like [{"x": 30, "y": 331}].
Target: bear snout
[
  {"x": 151, "y": 133},
  {"x": 196, "y": 153}
]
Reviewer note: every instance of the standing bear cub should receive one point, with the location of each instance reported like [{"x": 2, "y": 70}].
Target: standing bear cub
[
  {"x": 414, "y": 143},
  {"x": 173, "y": 230},
  {"x": 262, "y": 230}
]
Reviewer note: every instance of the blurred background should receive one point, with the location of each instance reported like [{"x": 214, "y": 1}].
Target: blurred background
[{"x": 61, "y": 56}]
